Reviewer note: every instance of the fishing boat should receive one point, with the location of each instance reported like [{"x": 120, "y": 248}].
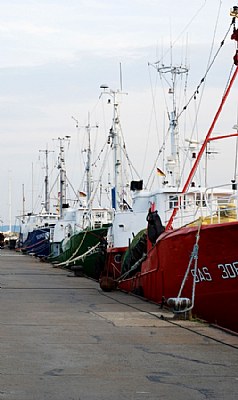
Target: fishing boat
[
  {"x": 82, "y": 251},
  {"x": 129, "y": 199},
  {"x": 78, "y": 242},
  {"x": 191, "y": 264},
  {"x": 36, "y": 229},
  {"x": 125, "y": 216}
]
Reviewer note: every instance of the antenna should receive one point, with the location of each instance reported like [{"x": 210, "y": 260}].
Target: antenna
[
  {"x": 120, "y": 77},
  {"x": 77, "y": 123}
]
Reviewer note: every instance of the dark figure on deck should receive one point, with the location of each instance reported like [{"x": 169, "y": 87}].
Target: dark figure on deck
[
  {"x": 1, "y": 240},
  {"x": 155, "y": 227}
]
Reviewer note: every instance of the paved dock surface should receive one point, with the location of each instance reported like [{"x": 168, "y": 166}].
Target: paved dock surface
[{"x": 62, "y": 338}]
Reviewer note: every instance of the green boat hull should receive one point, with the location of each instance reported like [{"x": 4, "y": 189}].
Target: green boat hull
[{"x": 85, "y": 253}]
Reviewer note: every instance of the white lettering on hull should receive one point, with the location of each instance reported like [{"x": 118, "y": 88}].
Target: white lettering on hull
[
  {"x": 228, "y": 271},
  {"x": 202, "y": 275}
]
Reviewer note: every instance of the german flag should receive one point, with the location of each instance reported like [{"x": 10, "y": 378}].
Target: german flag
[{"x": 160, "y": 172}]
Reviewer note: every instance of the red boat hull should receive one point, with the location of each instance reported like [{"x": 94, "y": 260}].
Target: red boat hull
[
  {"x": 114, "y": 261},
  {"x": 216, "y": 291}
]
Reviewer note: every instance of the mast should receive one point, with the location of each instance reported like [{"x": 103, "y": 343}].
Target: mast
[
  {"x": 114, "y": 138},
  {"x": 47, "y": 195},
  {"x": 88, "y": 163},
  {"x": 10, "y": 199},
  {"x": 207, "y": 139},
  {"x": 88, "y": 151},
  {"x": 115, "y": 141},
  {"x": 23, "y": 200},
  {"x": 32, "y": 190},
  {"x": 173, "y": 160},
  {"x": 62, "y": 175},
  {"x": 234, "y": 36}
]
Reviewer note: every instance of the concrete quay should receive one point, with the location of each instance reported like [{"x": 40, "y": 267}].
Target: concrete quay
[{"x": 62, "y": 338}]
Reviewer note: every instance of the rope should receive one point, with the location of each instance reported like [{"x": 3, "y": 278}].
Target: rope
[
  {"x": 82, "y": 256},
  {"x": 194, "y": 256},
  {"x": 72, "y": 258},
  {"x": 80, "y": 245},
  {"x": 133, "y": 267},
  {"x": 35, "y": 244}
]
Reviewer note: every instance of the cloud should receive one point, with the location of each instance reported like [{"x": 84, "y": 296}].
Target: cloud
[
  {"x": 56, "y": 53},
  {"x": 11, "y": 29}
]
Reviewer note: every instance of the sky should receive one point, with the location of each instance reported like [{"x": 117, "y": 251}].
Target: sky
[{"x": 55, "y": 55}]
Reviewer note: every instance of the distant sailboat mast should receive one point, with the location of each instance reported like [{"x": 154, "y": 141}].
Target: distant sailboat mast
[
  {"x": 23, "y": 200},
  {"x": 10, "y": 199}
]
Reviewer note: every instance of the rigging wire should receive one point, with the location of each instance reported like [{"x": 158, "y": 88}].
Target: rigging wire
[
  {"x": 100, "y": 176},
  {"x": 160, "y": 61},
  {"x": 194, "y": 95},
  {"x": 153, "y": 112},
  {"x": 158, "y": 155},
  {"x": 124, "y": 150},
  {"x": 151, "y": 175},
  {"x": 197, "y": 107},
  {"x": 196, "y": 92},
  {"x": 94, "y": 164},
  {"x": 181, "y": 33}
]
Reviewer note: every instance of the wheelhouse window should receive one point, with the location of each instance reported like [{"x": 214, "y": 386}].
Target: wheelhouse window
[
  {"x": 200, "y": 200},
  {"x": 173, "y": 201}
]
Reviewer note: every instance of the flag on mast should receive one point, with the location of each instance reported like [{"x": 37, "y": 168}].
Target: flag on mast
[
  {"x": 82, "y": 194},
  {"x": 160, "y": 172}
]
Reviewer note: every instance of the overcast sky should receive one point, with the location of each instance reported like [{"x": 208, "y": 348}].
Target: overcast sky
[{"x": 55, "y": 54}]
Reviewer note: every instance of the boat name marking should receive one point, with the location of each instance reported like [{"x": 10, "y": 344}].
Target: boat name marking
[
  {"x": 202, "y": 274},
  {"x": 40, "y": 236},
  {"x": 229, "y": 271}
]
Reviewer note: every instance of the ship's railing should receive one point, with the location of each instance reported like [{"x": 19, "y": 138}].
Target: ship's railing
[
  {"x": 98, "y": 218},
  {"x": 221, "y": 207},
  {"x": 213, "y": 205}
]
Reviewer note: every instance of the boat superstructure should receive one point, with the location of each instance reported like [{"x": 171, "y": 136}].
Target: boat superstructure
[
  {"x": 129, "y": 221},
  {"x": 36, "y": 230},
  {"x": 80, "y": 230},
  {"x": 191, "y": 266}
]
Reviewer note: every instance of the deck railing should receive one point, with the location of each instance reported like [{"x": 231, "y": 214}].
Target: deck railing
[{"x": 212, "y": 205}]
